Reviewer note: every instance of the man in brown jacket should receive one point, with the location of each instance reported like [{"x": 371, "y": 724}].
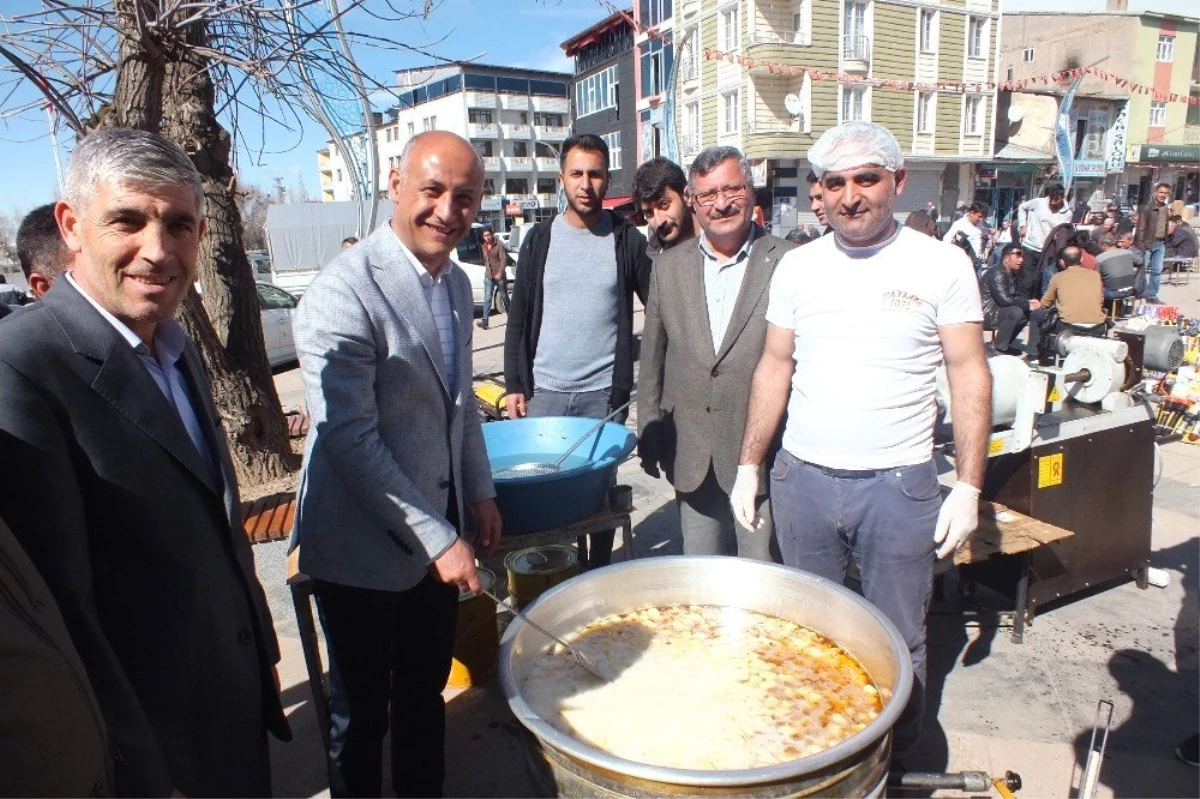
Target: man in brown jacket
[
  {"x": 1151, "y": 237},
  {"x": 1076, "y": 293},
  {"x": 495, "y": 262}
]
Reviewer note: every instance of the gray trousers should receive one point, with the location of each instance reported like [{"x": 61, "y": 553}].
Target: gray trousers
[
  {"x": 594, "y": 405},
  {"x": 884, "y": 522},
  {"x": 706, "y": 520}
]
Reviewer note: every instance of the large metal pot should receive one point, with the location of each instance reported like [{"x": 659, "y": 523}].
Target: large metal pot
[{"x": 858, "y": 766}]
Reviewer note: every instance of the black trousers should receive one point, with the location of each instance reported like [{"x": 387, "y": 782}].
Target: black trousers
[
  {"x": 1009, "y": 321},
  {"x": 389, "y": 659}
]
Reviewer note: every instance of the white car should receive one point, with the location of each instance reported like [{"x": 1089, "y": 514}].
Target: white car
[
  {"x": 277, "y": 307},
  {"x": 469, "y": 255}
]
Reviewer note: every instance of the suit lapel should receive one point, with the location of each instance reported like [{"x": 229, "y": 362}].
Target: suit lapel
[
  {"x": 122, "y": 379},
  {"x": 210, "y": 421},
  {"x": 690, "y": 286},
  {"x": 763, "y": 255},
  {"x": 398, "y": 280}
]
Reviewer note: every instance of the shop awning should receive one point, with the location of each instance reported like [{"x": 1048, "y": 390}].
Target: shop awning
[
  {"x": 1168, "y": 154},
  {"x": 1015, "y": 152},
  {"x": 616, "y": 202}
]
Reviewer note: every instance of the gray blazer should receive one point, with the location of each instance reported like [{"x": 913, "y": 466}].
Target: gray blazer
[
  {"x": 692, "y": 401},
  {"x": 387, "y": 437}
]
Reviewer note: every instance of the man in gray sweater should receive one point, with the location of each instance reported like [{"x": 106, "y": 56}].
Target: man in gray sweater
[{"x": 568, "y": 345}]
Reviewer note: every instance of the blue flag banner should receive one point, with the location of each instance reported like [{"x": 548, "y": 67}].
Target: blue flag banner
[{"x": 1064, "y": 146}]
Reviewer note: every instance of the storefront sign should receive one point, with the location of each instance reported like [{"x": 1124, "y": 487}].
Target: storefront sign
[
  {"x": 490, "y": 204},
  {"x": 1115, "y": 141},
  {"x": 1169, "y": 153},
  {"x": 1090, "y": 168},
  {"x": 514, "y": 209},
  {"x": 529, "y": 203}
]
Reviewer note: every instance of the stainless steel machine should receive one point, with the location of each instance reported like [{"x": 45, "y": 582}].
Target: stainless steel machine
[{"x": 1074, "y": 446}]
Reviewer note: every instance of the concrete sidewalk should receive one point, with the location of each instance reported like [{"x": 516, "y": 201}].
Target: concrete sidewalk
[{"x": 992, "y": 705}]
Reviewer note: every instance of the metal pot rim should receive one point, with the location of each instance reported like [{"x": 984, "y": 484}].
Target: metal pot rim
[{"x": 779, "y": 772}]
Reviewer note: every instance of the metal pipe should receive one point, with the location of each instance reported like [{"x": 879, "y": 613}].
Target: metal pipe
[
  {"x": 1082, "y": 376},
  {"x": 937, "y": 781}
]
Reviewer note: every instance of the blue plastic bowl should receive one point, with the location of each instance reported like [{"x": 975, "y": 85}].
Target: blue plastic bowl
[{"x": 538, "y": 502}]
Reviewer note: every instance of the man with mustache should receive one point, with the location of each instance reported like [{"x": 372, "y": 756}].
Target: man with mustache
[
  {"x": 704, "y": 330},
  {"x": 855, "y": 477},
  {"x": 568, "y": 345},
  {"x": 659, "y": 186},
  {"x": 119, "y": 485}
]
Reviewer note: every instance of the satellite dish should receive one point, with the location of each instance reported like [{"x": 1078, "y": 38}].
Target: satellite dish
[
  {"x": 1015, "y": 114},
  {"x": 793, "y": 105}
]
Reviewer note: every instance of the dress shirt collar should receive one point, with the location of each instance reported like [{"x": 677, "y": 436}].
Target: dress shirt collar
[
  {"x": 744, "y": 252},
  {"x": 423, "y": 274},
  {"x": 169, "y": 338}
]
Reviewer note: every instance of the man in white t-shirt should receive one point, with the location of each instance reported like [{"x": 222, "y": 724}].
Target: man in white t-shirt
[
  {"x": 1035, "y": 219},
  {"x": 967, "y": 225},
  {"x": 854, "y": 370}
]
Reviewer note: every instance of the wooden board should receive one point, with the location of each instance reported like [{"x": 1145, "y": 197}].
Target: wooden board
[
  {"x": 1003, "y": 531},
  {"x": 269, "y": 518}
]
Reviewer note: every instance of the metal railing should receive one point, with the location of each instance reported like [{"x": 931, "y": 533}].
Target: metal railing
[
  {"x": 856, "y": 48},
  {"x": 689, "y": 143},
  {"x": 801, "y": 37}
]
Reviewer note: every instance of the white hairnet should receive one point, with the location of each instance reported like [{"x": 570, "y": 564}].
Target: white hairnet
[{"x": 855, "y": 144}]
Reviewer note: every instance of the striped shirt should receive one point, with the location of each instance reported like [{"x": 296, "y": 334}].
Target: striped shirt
[{"x": 437, "y": 294}]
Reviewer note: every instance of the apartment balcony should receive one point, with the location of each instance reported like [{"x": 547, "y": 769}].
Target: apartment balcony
[
  {"x": 521, "y": 132},
  {"x": 479, "y": 130},
  {"x": 547, "y": 164},
  {"x": 802, "y": 38},
  {"x": 517, "y": 163},
  {"x": 514, "y": 102},
  {"x": 550, "y": 105},
  {"x": 480, "y": 99},
  {"x": 491, "y": 164},
  {"x": 1191, "y": 134},
  {"x": 769, "y": 127},
  {"x": 551, "y": 133},
  {"x": 548, "y": 200},
  {"x": 856, "y": 53},
  {"x": 689, "y": 143},
  {"x": 689, "y": 8}
]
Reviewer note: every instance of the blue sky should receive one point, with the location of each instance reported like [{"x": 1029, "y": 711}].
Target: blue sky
[{"x": 524, "y": 33}]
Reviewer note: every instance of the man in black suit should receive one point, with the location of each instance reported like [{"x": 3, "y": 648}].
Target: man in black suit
[{"x": 119, "y": 485}]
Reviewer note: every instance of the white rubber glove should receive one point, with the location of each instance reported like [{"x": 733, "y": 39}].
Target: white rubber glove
[
  {"x": 744, "y": 497},
  {"x": 957, "y": 519}
]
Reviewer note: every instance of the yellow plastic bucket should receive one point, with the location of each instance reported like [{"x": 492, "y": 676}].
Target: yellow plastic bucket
[{"x": 476, "y": 637}]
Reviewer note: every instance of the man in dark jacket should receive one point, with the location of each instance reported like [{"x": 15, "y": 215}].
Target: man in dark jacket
[
  {"x": 1005, "y": 310},
  {"x": 1181, "y": 239},
  {"x": 1117, "y": 269},
  {"x": 1151, "y": 236},
  {"x": 568, "y": 346}
]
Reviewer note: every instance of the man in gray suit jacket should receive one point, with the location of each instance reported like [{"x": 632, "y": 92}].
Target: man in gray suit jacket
[
  {"x": 394, "y": 454},
  {"x": 704, "y": 329}
]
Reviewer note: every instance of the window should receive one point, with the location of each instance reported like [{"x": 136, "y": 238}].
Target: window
[
  {"x": 854, "y": 19},
  {"x": 1009, "y": 74},
  {"x": 613, "y": 140},
  {"x": 925, "y": 112},
  {"x": 730, "y": 112},
  {"x": 1027, "y": 55},
  {"x": 656, "y": 66},
  {"x": 596, "y": 92},
  {"x": 412, "y": 129},
  {"x": 802, "y": 23},
  {"x": 489, "y": 185},
  {"x": 689, "y": 66},
  {"x": 691, "y": 122},
  {"x": 728, "y": 34},
  {"x": 853, "y": 98},
  {"x": 479, "y": 116},
  {"x": 654, "y": 12},
  {"x": 543, "y": 150},
  {"x": 547, "y": 186},
  {"x": 928, "y": 30},
  {"x": 520, "y": 149},
  {"x": 339, "y": 176},
  {"x": 548, "y": 120},
  {"x": 976, "y": 37},
  {"x": 517, "y": 186},
  {"x": 1166, "y": 48},
  {"x": 484, "y": 148},
  {"x": 523, "y": 118},
  {"x": 271, "y": 298},
  {"x": 429, "y": 123},
  {"x": 1158, "y": 115},
  {"x": 974, "y": 115}
]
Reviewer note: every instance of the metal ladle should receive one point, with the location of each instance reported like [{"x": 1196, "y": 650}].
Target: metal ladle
[
  {"x": 580, "y": 658},
  {"x": 537, "y": 467}
]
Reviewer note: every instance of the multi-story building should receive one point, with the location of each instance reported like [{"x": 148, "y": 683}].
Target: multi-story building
[
  {"x": 938, "y": 60},
  {"x": 1161, "y": 52},
  {"x": 653, "y": 68},
  {"x": 515, "y": 118},
  {"x": 605, "y": 91}
]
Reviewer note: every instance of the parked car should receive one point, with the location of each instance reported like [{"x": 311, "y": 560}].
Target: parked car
[
  {"x": 277, "y": 307},
  {"x": 469, "y": 255}
]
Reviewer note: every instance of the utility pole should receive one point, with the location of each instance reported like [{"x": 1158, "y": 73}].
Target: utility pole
[{"x": 280, "y": 191}]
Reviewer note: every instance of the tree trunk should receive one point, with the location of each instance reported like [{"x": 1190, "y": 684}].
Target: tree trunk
[{"x": 165, "y": 89}]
